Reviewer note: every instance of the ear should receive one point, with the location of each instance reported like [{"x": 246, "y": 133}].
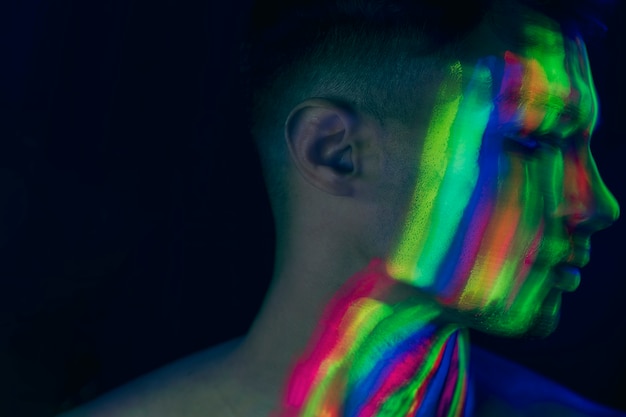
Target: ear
[{"x": 320, "y": 136}]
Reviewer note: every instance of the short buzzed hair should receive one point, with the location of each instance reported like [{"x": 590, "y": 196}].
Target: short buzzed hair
[{"x": 366, "y": 54}]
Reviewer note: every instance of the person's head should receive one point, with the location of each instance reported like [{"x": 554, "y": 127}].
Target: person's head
[{"x": 453, "y": 144}]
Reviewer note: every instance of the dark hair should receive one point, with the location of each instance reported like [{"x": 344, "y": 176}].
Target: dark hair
[
  {"x": 355, "y": 49},
  {"x": 292, "y": 43}
]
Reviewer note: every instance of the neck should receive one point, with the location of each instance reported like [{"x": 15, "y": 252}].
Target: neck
[{"x": 377, "y": 351}]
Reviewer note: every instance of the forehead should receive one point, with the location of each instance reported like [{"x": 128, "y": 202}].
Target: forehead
[{"x": 541, "y": 77}]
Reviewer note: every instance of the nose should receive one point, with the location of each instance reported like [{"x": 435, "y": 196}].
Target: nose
[{"x": 589, "y": 206}]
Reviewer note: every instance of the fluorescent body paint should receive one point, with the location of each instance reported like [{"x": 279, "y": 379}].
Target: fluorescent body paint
[
  {"x": 405, "y": 265},
  {"x": 370, "y": 358},
  {"x": 447, "y": 174}
]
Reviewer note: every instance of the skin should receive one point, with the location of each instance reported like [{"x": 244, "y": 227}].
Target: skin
[{"x": 401, "y": 237}]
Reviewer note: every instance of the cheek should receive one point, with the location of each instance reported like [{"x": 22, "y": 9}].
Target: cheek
[
  {"x": 394, "y": 199},
  {"x": 501, "y": 241}
]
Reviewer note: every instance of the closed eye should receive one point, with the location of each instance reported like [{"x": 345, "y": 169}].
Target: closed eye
[
  {"x": 525, "y": 145},
  {"x": 529, "y": 144}
]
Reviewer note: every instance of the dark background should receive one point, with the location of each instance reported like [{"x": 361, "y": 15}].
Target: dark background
[{"x": 133, "y": 224}]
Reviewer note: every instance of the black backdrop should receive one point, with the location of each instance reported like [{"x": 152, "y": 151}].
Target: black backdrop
[{"x": 133, "y": 224}]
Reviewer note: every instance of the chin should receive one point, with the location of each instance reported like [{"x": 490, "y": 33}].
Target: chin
[
  {"x": 539, "y": 325},
  {"x": 543, "y": 323},
  {"x": 539, "y": 328},
  {"x": 542, "y": 329},
  {"x": 547, "y": 319}
]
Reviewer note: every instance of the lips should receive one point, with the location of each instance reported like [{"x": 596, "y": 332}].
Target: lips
[{"x": 568, "y": 272}]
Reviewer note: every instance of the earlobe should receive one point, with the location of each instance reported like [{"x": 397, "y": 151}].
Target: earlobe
[{"x": 320, "y": 136}]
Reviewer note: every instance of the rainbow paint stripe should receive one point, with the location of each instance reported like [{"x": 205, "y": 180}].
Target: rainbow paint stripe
[{"x": 369, "y": 358}]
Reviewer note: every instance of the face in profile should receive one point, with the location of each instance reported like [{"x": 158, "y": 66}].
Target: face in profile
[{"x": 506, "y": 193}]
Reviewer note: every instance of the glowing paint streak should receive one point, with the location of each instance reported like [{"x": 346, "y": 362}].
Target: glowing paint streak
[
  {"x": 430, "y": 176},
  {"x": 335, "y": 336},
  {"x": 373, "y": 359},
  {"x": 480, "y": 215},
  {"x": 392, "y": 396},
  {"x": 454, "y": 135},
  {"x": 408, "y": 322},
  {"x": 494, "y": 249},
  {"x": 405, "y": 389},
  {"x": 460, "y": 178},
  {"x": 531, "y": 292},
  {"x": 508, "y": 96},
  {"x": 533, "y": 89},
  {"x": 455, "y": 393},
  {"x": 546, "y": 83},
  {"x": 501, "y": 248},
  {"x": 359, "y": 321},
  {"x": 525, "y": 267}
]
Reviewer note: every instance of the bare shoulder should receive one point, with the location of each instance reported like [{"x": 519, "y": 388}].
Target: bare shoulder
[
  {"x": 503, "y": 387},
  {"x": 186, "y": 388}
]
